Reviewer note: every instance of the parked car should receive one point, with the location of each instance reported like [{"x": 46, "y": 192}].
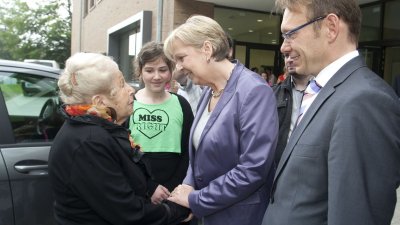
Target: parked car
[
  {"x": 29, "y": 120},
  {"x": 51, "y": 63}
]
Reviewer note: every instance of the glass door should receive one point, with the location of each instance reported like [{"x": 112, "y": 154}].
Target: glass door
[
  {"x": 372, "y": 57},
  {"x": 263, "y": 60},
  {"x": 259, "y": 57},
  {"x": 392, "y": 67}
]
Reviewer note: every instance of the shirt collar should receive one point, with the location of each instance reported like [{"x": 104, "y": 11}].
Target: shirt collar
[
  {"x": 294, "y": 83},
  {"x": 327, "y": 73}
]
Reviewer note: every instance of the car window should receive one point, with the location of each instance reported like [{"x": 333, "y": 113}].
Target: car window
[{"x": 32, "y": 104}]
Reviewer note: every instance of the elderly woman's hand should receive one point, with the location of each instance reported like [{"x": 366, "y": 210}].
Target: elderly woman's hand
[
  {"x": 160, "y": 194},
  {"x": 181, "y": 195}
]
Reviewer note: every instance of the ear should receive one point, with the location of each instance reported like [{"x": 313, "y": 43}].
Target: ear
[
  {"x": 97, "y": 100},
  {"x": 332, "y": 23},
  {"x": 207, "y": 49}
]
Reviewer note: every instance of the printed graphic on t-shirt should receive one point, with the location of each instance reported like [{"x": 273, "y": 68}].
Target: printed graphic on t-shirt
[{"x": 150, "y": 123}]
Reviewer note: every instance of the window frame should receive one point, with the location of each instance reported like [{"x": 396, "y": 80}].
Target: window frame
[{"x": 8, "y": 137}]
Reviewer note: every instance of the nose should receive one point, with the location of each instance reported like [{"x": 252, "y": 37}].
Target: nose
[
  {"x": 178, "y": 66},
  {"x": 285, "y": 48},
  {"x": 157, "y": 75},
  {"x": 131, "y": 90}
]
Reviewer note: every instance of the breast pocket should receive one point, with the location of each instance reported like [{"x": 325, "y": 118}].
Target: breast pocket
[{"x": 307, "y": 151}]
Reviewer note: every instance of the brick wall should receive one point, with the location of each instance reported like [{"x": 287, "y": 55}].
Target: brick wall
[
  {"x": 184, "y": 9},
  {"x": 92, "y": 35}
]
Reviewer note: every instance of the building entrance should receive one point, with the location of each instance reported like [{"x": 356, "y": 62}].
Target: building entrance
[{"x": 259, "y": 57}]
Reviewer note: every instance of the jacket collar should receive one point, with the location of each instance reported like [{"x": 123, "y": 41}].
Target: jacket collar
[{"x": 224, "y": 99}]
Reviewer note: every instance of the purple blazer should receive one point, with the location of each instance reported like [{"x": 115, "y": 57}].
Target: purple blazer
[{"x": 232, "y": 169}]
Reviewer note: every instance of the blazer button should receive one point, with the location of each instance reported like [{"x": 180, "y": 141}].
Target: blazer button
[{"x": 199, "y": 179}]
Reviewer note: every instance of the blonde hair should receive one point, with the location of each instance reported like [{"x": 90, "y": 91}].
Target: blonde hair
[
  {"x": 194, "y": 32},
  {"x": 86, "y": 75}
]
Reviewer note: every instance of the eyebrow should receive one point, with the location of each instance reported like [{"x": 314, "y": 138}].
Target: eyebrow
[
  {"x": 154, "y": 67},
  {"x": 179, "y": 53},
  {"x": 291, "y": 28}
]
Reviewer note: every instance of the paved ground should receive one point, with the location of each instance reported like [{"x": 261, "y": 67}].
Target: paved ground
[{"x": 396, "y": 217}]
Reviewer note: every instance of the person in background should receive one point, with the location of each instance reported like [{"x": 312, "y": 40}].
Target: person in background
[
  {"x": 341, "y": 164},
  {"x": 234, "y": 134},
  {"x": 268, "y": 77},
  {"x": 271, "y": 79},
  {"x": 172, "y": 86},
  {"x": 264, "y": 76},
  {"x": 188, "y": 89},
  {"x": 161, "y": 120},
  {"x": 254, "y": 69},
  {"x": 282, "y": 76},
  {"x": 288, "y": 97},
  {"x": 230, "y": 44},
  {"x": 95, "y": 169}
]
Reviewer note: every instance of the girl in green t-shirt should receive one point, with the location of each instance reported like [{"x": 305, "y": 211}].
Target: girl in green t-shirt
[{"x": 161, "y": 121}]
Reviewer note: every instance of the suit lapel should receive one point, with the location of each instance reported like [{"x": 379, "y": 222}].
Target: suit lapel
[
  {"x": 225, "y": 97},
  {"x": 339, "y": 77}
]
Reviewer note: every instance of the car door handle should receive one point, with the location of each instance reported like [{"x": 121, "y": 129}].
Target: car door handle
[
  {"x": 25, "y": 169},
  {"x": 32, "y": 167}
]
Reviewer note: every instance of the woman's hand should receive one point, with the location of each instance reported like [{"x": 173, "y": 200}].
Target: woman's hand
[
  {"x": 160, "y": 194},
  {"x": 181, "y": 195}
]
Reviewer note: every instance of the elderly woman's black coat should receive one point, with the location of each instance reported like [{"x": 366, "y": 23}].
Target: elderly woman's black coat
[{"x": 97, "y": 178}]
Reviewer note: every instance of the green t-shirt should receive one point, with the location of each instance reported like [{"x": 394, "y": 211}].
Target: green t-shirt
[{"x": 158, "y": 127}]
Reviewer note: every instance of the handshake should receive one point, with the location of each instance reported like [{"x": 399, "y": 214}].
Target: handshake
[{"x": 176, "y": 202}]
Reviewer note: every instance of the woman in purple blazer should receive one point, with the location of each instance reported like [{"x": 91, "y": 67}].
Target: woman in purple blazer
[{"x": 234, "y": 133}]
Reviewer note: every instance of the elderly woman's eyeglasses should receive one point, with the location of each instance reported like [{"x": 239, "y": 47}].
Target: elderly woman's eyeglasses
[{"x": 288, "y": 35}]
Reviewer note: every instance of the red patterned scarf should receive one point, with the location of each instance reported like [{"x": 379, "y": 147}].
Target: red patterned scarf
[
  {"x": 105, "y": 113},
  {"x": 83, "y": 109}
]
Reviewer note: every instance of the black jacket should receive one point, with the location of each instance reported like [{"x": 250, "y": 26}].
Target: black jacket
[
  {"x": 97, "y": 178},
  {"x": 284, "y": 102}
]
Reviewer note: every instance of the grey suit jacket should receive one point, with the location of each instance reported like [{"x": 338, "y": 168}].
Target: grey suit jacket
[{"x": 342, "y": 163}]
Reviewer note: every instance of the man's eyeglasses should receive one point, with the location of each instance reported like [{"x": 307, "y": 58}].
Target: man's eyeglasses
[{"x": 288, "y": 35}]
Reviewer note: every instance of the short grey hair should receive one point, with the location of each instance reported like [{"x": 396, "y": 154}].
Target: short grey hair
[{"x": 86, "y": 75}]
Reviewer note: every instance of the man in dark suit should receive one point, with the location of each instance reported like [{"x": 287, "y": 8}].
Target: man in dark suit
[{"x": 341, "y": 164}]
